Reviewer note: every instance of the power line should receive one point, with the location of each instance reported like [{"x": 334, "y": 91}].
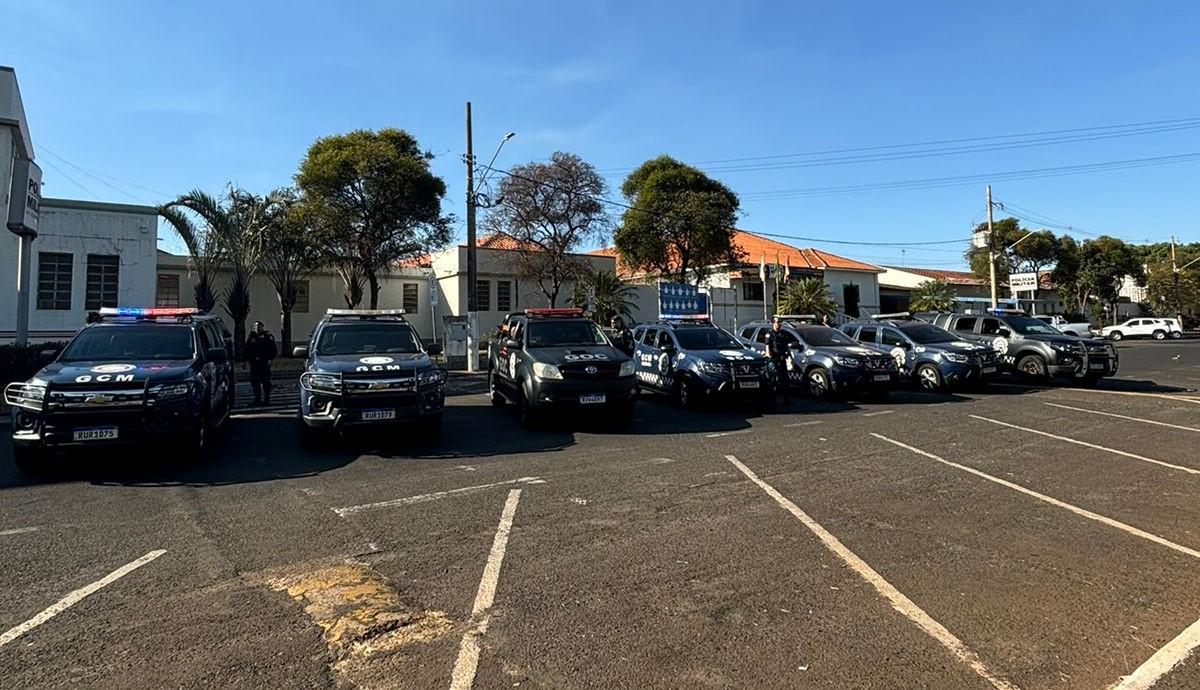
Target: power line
[
  {"x": 1049, "y": 222},
  {"x": 921, "y": 149},
  {"x": 71, "y": 179},
  {"x": 94, "y": 177},
  {"x": 111, "y": 177}
]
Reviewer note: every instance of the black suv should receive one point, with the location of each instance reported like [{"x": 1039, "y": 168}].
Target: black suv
[
  {"x": 132, "y": 377},
  {"x": 693, "y": 360},
  {"x": 827, "y": 362},
  {"x": 1034, "y": 348},
  {"x": 931, "y": 357},
  {"x": 367, "y": 368},
  {"x": 554, "y": 359}
]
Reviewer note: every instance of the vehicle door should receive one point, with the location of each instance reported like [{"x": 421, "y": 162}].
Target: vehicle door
[
  {"x": 899, "y": 347},
  {"x": 666, "y": 361},
  {"x": 799, "y": 356},
  {"x": 1146, "y": 327},
  {"x": 224, "y": 370},
  {"x": 208, "y": 373},
  {"x": 645, "y": 357},
  {"x": 510, "y": 355},
  {"x": 868, "y": 335}
]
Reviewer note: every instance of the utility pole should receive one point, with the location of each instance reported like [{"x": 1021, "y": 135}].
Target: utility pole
[
  {"x": 991, "y": 248},
  {"x": 472, "y": 265},
  {"x": 1175, "y": 279}
]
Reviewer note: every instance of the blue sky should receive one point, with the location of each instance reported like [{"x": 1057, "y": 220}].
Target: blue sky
[{"x": 169, "y": 96}]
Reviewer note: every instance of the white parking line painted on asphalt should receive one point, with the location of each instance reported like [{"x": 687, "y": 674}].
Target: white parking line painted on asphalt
[
  {"x": 1122, "y": 416},
  {"x": 899, "y": 602},
  {"x": 1082, "y": 512},
  {"x": 18, "y": 530},
  {"x": 1163, "y": 396},
  {"x": 395, "y": 502},
  {"x": 728, "y": 433},
  {"x": 463, "y": 676},
  {"x": 76, "y": 597},
  {"x": 876, "y": 414},
  {"x": 796, "y": 424},
  {"x": 1114, "y": 451},
  {"x": 1161, "y": 662}
]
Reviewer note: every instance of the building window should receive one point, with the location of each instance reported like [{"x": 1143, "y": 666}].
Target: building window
[
  {"x": 483, "y": 295},
  {"x": 166, "y": 291},
  {"x": 752, "y": 292},
  {"x": 504, "y": 295},
  {"x": 54, "y": 280},
  {"x": 301, "y": 306},
  {"x": 103, "y": 274},
  {"x": 409, "y": 297}
]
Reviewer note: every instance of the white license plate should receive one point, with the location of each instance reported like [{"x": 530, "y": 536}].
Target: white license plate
[
  {"x": 103, "y": 433},
  {"x": 378, "y": 415},
  {"x": 882, "y": 377},
  {"x": 989, "y": 370},
  {"x": 747, "y": 384},
  {"x": 1096, "y": 365},
  {"x": 593, "y": 399}
]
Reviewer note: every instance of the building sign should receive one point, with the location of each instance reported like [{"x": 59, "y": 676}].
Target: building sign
[
  {"x": 25, "y": 198},
  {"x": 1022, "y": 281},
  {"x": 681, "y": 299}
]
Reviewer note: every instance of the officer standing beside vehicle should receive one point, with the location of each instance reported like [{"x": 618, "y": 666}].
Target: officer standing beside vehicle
[
  {"x": 260, "y": 350},
  {"x": 777, "y": 350},
  {"x": 622, "y": 337}
]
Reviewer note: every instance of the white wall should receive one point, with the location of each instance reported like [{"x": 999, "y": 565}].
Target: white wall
[
  {"x": 868, "y": 288},
  {"x": 80, "y": 228}
]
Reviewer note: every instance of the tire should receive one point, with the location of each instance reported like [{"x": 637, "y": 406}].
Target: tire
[
  {"x": 494, "y": 395},
  {"x": 1160, "y": 335},
  {"x": 818, "y": 384},
  {"x": 31, "y": 462},
  {"x": 201, "y": 437},
  {"x": 1116, "y": 335},
  {"x": 1032, "y": 367},
  {"x": 1176, "y": 335},
  {"x": 530, "y": 419},
  {"x": 929, "y": 378},
  {"x": 685, "y": 394}
]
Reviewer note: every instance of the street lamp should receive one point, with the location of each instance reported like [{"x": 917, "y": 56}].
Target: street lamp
[{"x": 472, "y": 254}]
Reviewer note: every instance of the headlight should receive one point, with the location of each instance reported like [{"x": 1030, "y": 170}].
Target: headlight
[
  {"x": 712, "y": 368},
  {"x": 626, "y": 369},
  {"x": 171, "y": 390},
  {"x": 1061, "y": 347},
  {"x": 431, "y": 377},
  {"x": 330, "y": 383},
  {"x": 29, "y": 395},
  {"x": 546, "y": 371},
  {"x": 848, "y": 361},
  {"x": 955, "y": 357}
]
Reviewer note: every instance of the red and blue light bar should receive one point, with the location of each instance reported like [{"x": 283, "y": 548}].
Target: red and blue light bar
[
  {"x": 563, "y": 311},
  {"x": 148, "y": 313}
]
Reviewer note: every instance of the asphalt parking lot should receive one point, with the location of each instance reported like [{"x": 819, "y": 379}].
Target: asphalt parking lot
[{"x": 1018, "y": 537}]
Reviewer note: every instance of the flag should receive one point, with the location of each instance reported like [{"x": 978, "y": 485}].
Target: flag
[{"x": 762, "y": 268}]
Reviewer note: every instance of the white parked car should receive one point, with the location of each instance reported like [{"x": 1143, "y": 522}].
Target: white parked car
[
  {"x": 1137, "y": 328},
  {"x": 1174, "y": 329},
  {"x": 1079, "y": 329}
]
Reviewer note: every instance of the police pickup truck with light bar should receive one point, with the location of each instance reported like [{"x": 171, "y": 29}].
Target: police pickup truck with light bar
[
  {"x": 555, "y": 359},
  {"x": 692, "y": 360},
  {"x": 827, "y": 362},
  {"x": 367, "y": 368},
  {"x": 132, "y": 377},
  {"x": 1034, "y": 348}
]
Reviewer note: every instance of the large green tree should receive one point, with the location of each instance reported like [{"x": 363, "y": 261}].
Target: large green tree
[
  {"x": 549, "y": 210},
  {"x": 1031, "y": 250},
  {"x": 1096, "y": 270},
  {"x": 378, "y": 199},
  {"x": 680, "y": 221}
]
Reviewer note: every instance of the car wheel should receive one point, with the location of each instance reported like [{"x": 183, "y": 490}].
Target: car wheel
[
  {"x": 496, "y": 397},
  {"x": 1175, "y": 335},
  {"x": 818, "y": 384},
  {"x": 530, "y": 418},
  {"x": 685, "y": 393},
  {"x": 929, "y": 378},
  {"x": 1116, "y": 335},
  {"x": 1033, "y": 367},
  {"x": 31, "y": 461},
  {"x": 1160, "y": 335}
]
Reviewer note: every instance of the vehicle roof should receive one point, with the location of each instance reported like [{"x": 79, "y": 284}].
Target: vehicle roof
[{"x": 683, "y": 324}]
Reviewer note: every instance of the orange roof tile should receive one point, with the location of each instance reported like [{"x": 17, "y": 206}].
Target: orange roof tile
[{"x": 952, "y": 277}]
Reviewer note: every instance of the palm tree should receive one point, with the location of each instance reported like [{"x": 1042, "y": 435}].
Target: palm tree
[
  {"x": 609, "y": 296},
  {"x": 806, "y": 296},
  {"x": 206, "y": 255},
  {"x": 931, "y": 295}
]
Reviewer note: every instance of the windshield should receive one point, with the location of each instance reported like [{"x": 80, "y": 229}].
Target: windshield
[
  {"x": 1027, "y": 325},
  {"x": 825, "y": 337},
  {"x": 360, "y": 339},
  {"x": 564, "y": 333},
  {"x": 127, "y": 343},
  {"x": 927, "y": 333},
  {"x": 706, "y": 339}
]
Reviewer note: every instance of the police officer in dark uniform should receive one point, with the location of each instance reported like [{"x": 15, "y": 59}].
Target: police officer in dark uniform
[
  {"x": 260, "y": 350},
  {"x": 777, "y": 350},
  {"x": 622, "y": 337}
]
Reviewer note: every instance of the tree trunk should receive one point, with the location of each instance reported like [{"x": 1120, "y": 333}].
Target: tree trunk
[
  {"x": 285, "y": 331},
  {"x": 373, "y": 284},
  {"x": 239, "y": 339}
]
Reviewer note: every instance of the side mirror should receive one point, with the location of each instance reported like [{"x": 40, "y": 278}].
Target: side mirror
[
  {"x": 795, "y": 346},
  {"x": 905, "y": 345},
  {"x": 300, "y": 352},
  {"x": 434, "y": 349},
  {"x": 217, "y": 355},
  {"x": 512, "y": 344},
  {"x": 1004, "y": 332}
]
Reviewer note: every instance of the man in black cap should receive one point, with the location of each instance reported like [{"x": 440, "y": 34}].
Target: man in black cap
[
  {"x": 260, "y": 350},
  {"x": 622, "y": 337},
  {"x": 777, "y": 342}
]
